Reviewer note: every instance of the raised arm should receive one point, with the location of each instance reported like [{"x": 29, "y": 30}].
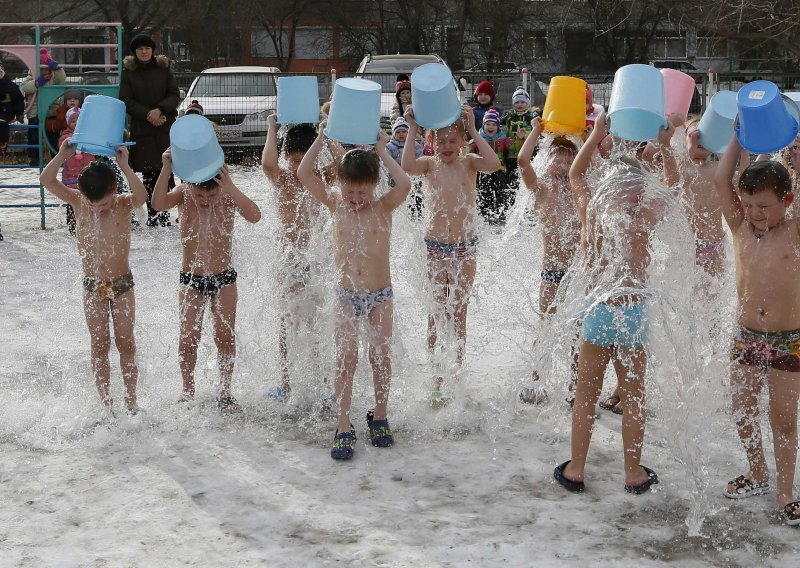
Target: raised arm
[
  {"x": 577, "y": 173},
  {"x": 486, "y": 160},
  {"x": 138, "y": 192},
  {"x": 330, "y": 171},
  {"x": 49, "y": 177},
  {"x": 244, "y": 204},
  {"x": 411, "y": 164},
  {"x": 524, "y": 164},
  {"x": 162, "y": 199},
  {"x": 671, "y": 173},
  {"x": 307, "y": 175},
  {"x": 723, "y": 181},
  {"x": 269, "y": 156},
  {"x": 402, "y": 184}
]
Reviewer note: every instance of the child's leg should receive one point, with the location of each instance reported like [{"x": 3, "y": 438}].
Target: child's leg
[
  {"x": 123, "y": 315},
  {"x": 288, "y": 326},
  {"x": 463, "y": 289},
  {"x": 784, "y": 391},
  {"x": 380, "y": 323},
  {"x": 630, "y": 365},
  {"x": 346, "y": 341},
  {"x": 191, "y": 304},
  {"x": 746, "y": 384},
  {"x": 438, "y": 278},
  {"x": 592, "y": 362},
  {"x": 223, "y": 310},
  {"x": 547, "y": 296},
  {"x": 96, "y": 310}
]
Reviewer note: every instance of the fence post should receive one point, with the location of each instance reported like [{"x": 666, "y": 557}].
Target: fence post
[{"x": 525, "y": 78}]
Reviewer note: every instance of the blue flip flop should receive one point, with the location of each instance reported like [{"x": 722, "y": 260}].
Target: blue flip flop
[
  {"x": 652, "y": 479},
  {"x": 574, "y": 486}
]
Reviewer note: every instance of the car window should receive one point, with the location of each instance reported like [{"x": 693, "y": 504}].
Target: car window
[
  {"x": 235, "y": 85},
  {"x": 394, "y": 65}
]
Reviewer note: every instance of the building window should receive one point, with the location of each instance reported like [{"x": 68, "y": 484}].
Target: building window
[
  {"x": 536, "y": 46},
  {"x": 261, "y": 44},
  {"x": 712, "y": 47},
  {"x": 669, "y": 47},
  {"x": 313, "y": 43}
]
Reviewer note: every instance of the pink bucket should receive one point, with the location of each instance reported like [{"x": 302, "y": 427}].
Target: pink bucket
[{"x": 678, "y": 92}]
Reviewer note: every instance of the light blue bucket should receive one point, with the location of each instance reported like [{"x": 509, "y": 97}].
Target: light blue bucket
[
  {"x": 101, "y": 126},
  {"x": 355, "y": 116},
  {"x": 636, "y": 107},
  {"x": 196, "y": 154},
  {"x": 434, "y": 96},
  {"x": 298, "y": 100},
  {"x": 768, "y": 121},
  {"x": 716, "y": 125}
]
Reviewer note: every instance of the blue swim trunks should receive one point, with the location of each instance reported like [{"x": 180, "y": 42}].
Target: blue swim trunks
[{"x": 617, "y": 326}]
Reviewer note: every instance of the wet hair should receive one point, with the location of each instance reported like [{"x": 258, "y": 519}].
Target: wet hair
[
  {"x": 458, "y": 125},
  {"x": 298, "y": 138},
  {"x": 97, "y": 180},
  {"x": 360, "y": 166},
  {"x": 766, "y": 176},
  {"x": 207, "y": 185},
  {"x": 563, "y": 143}
]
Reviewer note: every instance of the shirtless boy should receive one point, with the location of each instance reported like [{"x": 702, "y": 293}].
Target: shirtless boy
[
  {"x": 362, "y": 226},
  {"x": 103, "y": 229},
  {"x": 451, "y": 235},
  {"x": 766, "y": 347},
  {"x": 207, "y": 213}
]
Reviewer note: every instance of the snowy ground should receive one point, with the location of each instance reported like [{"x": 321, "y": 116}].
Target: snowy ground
[{"x": 468, "y": 485}]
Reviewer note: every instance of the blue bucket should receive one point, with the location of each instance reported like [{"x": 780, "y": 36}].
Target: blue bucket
[
  {"x": 636, "y": 107},
  {"x": 196, "y": 154},
  {"x": 355, "y": 116},
  {"x": 298, "y": 100},
  {"x": 101, "y": 126},
  {"x": 766, "y": 124},
  {"x": 434, "y": 96},
  {"x": 716, "y": 125}
]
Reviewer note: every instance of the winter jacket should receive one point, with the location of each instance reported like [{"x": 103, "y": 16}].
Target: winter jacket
[
  {"x": 395, "y": 149},
  {"x": 143, "y": 87},
  {"x": 480, "y": 110},
  {"x": 73, "y": 166},
  {"x": 398, "y": 109},
  {"x": 499, "y": 143},
  {"x": 11, "y": 101},
  {"x": 57, "y": 77},
  {"x": 513, "y": 122}
]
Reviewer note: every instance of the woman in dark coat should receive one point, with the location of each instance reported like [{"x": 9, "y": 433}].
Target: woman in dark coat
[{"x": 151, "y": 97}]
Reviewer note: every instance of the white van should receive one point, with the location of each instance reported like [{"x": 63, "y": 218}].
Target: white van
[{"x": 237, "y": 100}]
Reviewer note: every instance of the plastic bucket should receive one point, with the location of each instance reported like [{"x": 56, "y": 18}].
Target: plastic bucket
[
  {"x": 678, "y": 92},
  {"x": 716, "y": 125},
  {"x": 355, "y": 116},
  {"x": 636, "y": 107},
  {"x": 565, "y": 107},
  {"x": 298, "y": 100},
  {"x": 101, "y": 126},
  {"x": 434, "y": 96},
  {"x": 196, "y": 154},
  {"x": 765, "y": 123}
]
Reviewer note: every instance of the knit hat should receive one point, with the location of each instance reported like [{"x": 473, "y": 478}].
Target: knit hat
[
  {"x": 142, "y": 40},
  {"x": 73, "y": 112},
  {"x": 72, "y": 94},
  {"x": 521, "y": 95},
  {"x": 44, "y": 57},
  {"x": 399, "y": 122},
  {"x": 484, "y": 87},
  {"x": 402, "y": 86},
  {"x": 194, "y": 108},
  {"x": 491, "y": 115}
]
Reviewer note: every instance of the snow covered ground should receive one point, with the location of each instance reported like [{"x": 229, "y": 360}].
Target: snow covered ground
[{"x": 467, "y": 485}]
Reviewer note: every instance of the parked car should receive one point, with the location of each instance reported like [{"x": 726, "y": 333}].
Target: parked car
[
  {"x": 237, "y": 100},
  {"x": 496, "y": 67},
  {"x": 678, "y": 64}
]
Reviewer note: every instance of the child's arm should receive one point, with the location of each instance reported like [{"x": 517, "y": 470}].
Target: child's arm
[
  {"x": 244, "y": 204},
  {"x": 337, "y": 153},
  {"x": 577, "y": 172},
  {"x": 411, "y": 164},
  {"x": 138, "y": 194},
  {"x": 162, "y": 200},
  {"x": 307, "y": 175},
  {"x": 402, "y": 184},
  {"x": 49, "y": 177},
  {"x": 723, "y": 181},
  {"x": 486, "y": 160},
  {"x": 671, "y": 172},
  {"x": 524, "y": 164},
  {"x": 269, "y": 156}
]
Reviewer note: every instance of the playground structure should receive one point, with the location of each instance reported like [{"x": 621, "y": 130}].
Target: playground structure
[{"x": 48, "y": 94}]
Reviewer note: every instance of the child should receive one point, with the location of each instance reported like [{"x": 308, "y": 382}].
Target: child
[
  {"x": 766, "y": 347},
  {"x": 517, "y": 124},
  {"x": 484, "y": 100},
  {"x": 194, "y": 108},
  {"x": 616, "y": 226},
  {"x": 362, "y": 225},
  {"x": 395, "y": 149},
  {"x": 207, "y": 212},
  {"x": 73, "y": 166},
  {"x": 560, "y": 224},
  {"x": 451, "y": 235},
  {"x": 298, "y": 212},
  {"x": 402, "y": 99},
  {"x": 104, "y": 241},
  {"x": 494, "y": 193}
]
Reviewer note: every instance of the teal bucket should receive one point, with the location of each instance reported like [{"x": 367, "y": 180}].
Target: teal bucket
[
  {"x": 355, "y": 116},
  {"x": 101, "y": 126},
  {"x": 298, "y": 100},
  {"x": 768, "y": 121},
  {"x": 434, "y": 96},
  {"x": 196, "y": 154},
  {"x": 636, "y": 107},
  {"x": 716, "y": 125}
]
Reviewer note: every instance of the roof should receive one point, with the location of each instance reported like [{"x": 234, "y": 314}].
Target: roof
[{"x": 243, "y": 69}]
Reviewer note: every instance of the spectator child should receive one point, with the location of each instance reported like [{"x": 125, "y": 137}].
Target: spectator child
[
  {"x": 483, "y": 100},
  {"x": 402, "y": 99},
  {"x": 517, "y": 124},
  {"x": 494, "y": 195},
  {"x": 73, "y": 165}
]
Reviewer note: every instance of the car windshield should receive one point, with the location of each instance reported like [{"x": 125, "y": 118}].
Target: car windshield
[{"x": 235, "y": 85}]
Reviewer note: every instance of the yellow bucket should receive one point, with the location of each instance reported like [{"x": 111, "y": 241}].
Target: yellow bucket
[{"x": 565, "y": 107}]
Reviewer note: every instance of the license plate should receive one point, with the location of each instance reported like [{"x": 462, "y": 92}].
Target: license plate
[{"x": 228, "y": 134}]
